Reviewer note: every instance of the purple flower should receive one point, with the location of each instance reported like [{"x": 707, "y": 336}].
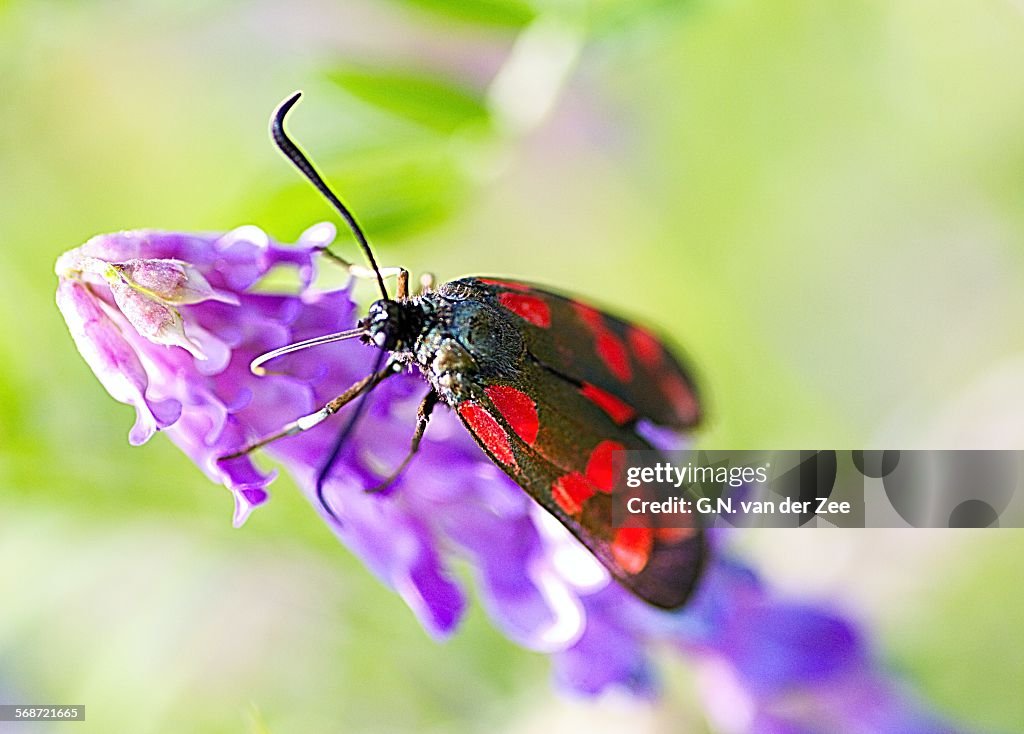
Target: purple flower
[
  {"x": 771, "y": 665},
  {"x": 170, "y": 323},
  {"x": 156, "y": 317}
]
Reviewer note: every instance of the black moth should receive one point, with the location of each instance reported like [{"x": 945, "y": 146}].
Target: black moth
[{"x": 548, "y": 386}]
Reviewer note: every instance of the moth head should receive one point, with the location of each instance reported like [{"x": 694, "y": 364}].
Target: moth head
[{"x": 386, "y": 325}]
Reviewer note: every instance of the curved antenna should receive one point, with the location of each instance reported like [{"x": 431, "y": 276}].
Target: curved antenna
[
  {"x": 300, "y": 161},
  {"x": 256, "y": 365}
]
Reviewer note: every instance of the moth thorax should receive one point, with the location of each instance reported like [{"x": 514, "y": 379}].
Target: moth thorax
[{"x": 451, "y": 365}]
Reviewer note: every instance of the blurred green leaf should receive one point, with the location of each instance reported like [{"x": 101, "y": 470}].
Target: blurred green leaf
[
  {"x": 393, "y": 192},
  {"x": 255, "y": 721},
  {"x": 618, "y": 17},
  {"x": 428, "y": 100},
  {"x": 498, "y": 13}
]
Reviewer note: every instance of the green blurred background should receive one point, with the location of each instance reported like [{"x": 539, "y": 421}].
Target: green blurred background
[{"x": 822, "y": 201}]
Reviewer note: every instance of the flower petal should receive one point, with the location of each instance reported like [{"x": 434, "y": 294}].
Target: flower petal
[
  {"x": 171, "y": 281},
  {"x": 112, "y": 359},
  {"x": 159, "y": 323}
]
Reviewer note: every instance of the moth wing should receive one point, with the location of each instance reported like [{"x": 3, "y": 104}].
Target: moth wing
[
  {"x": 559, "y": 446},
  {"x": 627, "y": 370}
]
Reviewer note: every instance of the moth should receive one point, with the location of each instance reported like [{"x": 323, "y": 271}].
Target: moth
[{"x": 549, "y": 387}]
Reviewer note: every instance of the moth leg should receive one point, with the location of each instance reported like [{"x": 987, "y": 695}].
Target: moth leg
[
  {"x": 314, "y": 419},
  {"x": 361, "y": 271},
  {"x": 422, "y": 418},
  {"x": 427, "y": 284}
]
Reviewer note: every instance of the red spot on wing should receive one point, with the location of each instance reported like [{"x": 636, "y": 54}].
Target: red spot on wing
[
  {"x": 528, "y": 307},
  {"x": 681, "y": 396},
  {"x": 518, "y": 409},
  {"x": 570, "y": 491},
  {"x": 631, "y": 548},
  {"x": 612, "y": 352},
  {"x": 616, "y": 409},
  {"x": 674, "y": 535},
  {"x": 609, "y": 347},
  {"x": 489, "y": 431},
  {"x": 601, "y": 466},
  {"x": 645, "y": 346},
  {"x": 505, "y": 284},
  {"x": 589, "y": 316}
]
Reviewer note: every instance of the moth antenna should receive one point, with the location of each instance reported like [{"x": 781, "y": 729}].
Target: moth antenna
[
  {"x": 300, "y": 161},
  {"x": 256, "y": 365}
]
